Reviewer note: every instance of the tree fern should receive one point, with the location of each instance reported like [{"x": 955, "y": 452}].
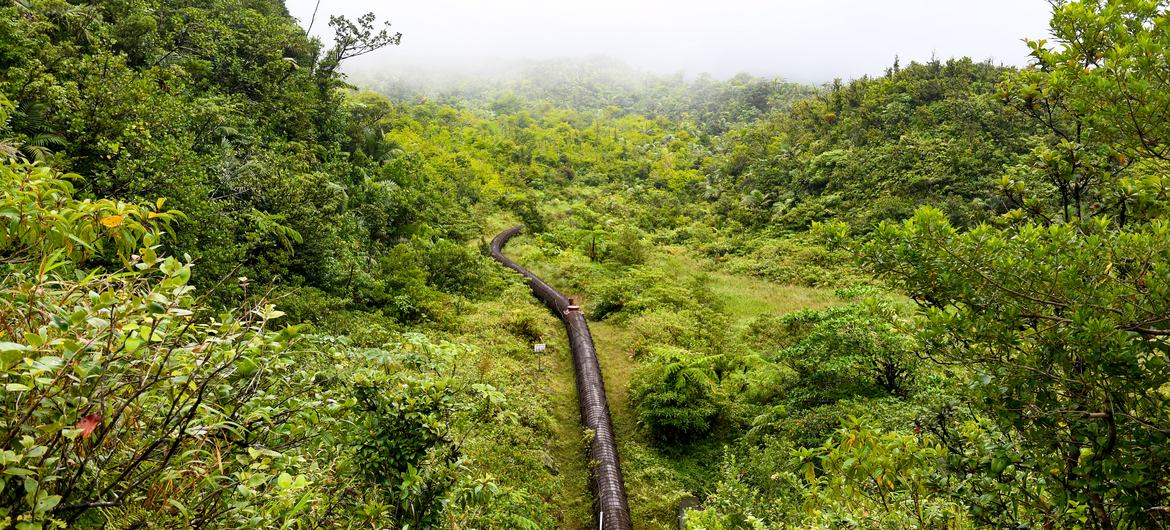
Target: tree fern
[
  {"x": 270, "y": 224},
  {"x": 39, "y": 147}
]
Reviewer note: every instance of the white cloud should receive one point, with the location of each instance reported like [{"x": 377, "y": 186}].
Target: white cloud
[{"x": 808, "y": 40}]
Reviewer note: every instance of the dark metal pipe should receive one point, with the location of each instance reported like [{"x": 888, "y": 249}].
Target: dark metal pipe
[{"x": 605, "y": 471}]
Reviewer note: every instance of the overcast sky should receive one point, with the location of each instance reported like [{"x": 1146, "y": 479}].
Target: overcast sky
[{"x": 802, "y": 40}]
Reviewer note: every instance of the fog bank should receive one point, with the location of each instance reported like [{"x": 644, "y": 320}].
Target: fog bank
[{"x": 802, "y": 40}]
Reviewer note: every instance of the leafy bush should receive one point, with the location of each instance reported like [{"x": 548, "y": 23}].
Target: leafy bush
[
  {"x": 525, "y": 207},
  {"x": 846, "y": 351},
  {"x": 411, "y": 423},
  {"x": 699, "y": 330},
  {"x": 675, "y": 393},
  {"x": 412, "y": 278},
  {"x": 1051, "y": 318},
  {"x": 794, "y": 261},
  {"x": 627, "y": 247},
  {"x": 403, "y": 443},
  {"x": 121, "y": 393},
  {"x": 644, "y": 289}
]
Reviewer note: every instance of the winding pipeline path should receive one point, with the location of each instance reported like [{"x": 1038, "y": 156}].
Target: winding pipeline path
[{"x": 605, "y": 477}]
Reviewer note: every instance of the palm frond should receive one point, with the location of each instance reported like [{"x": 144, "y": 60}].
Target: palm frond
[
  {"x": 32, "y": 117},
  {"x": 35, "y": 152},
  {"x": 46, "y": 140}
]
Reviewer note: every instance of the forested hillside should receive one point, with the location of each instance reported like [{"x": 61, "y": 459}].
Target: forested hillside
[
  {"x": 239, "y": 289},
  {"x": 597, "y": 84}
]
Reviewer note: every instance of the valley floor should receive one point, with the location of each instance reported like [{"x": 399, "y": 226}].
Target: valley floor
[{"x": 658, "y": 475}]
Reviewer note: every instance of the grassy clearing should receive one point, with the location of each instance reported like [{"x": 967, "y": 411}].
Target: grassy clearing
[
  {"x": 658, "y": 475},
  {"x": 504, "y": 328},
  {"x": 504, "y": 331},
  {"x": 617, "y": 366},
  {"x": 567, "y": 447},
  {"x": 651, "y": 483},
  {"x": 743, "y": 297}
]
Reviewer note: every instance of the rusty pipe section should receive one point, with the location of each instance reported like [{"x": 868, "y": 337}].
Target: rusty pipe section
[{"x": 605, "y": 471}]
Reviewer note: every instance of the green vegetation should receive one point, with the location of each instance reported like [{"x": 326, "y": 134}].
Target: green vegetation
[{"x": 238, "y": 292}]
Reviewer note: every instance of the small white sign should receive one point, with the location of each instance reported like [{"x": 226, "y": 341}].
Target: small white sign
[{"x": 538, "y": 348}]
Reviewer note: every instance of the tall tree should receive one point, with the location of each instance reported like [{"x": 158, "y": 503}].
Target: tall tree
[{"x": 1061, "y": 307}]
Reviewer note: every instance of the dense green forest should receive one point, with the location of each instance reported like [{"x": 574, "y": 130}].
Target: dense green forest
[{"x": 239, "y": 289}]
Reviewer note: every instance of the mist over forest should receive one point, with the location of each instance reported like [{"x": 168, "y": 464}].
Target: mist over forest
[
  {"x": 617, "y": 265},
  {"x": 808, "y": 42}
]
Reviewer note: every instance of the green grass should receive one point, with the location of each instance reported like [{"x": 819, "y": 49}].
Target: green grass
[
  {"x": 652, "y": 485},
  {"x": 656, "y": 477},
  {"x": 617, "y": 367},
  {"x": 652, "y": 489},
  {"x": 543, "y": 386},
  {"x": 743, "y": 297},
  {"x": 573, "y": 506}
]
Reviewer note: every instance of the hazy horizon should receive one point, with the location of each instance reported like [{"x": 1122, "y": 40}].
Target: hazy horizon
[{"x": 811, "y": 42}]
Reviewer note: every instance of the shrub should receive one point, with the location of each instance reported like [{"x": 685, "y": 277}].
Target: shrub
[
  {"x": 846, "y": 351},
  {"x": 794, "y": 261},
  {"x": 403, "y": 444},
  {"x": 627, "y": 247},
  {"x": 699, "y": 330},
  {"x": 412, "y": 278},
  {"x": 675, "y": 393},
  {"x": 120, "y": 394},
  {"x": 645, "y": 289}
]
